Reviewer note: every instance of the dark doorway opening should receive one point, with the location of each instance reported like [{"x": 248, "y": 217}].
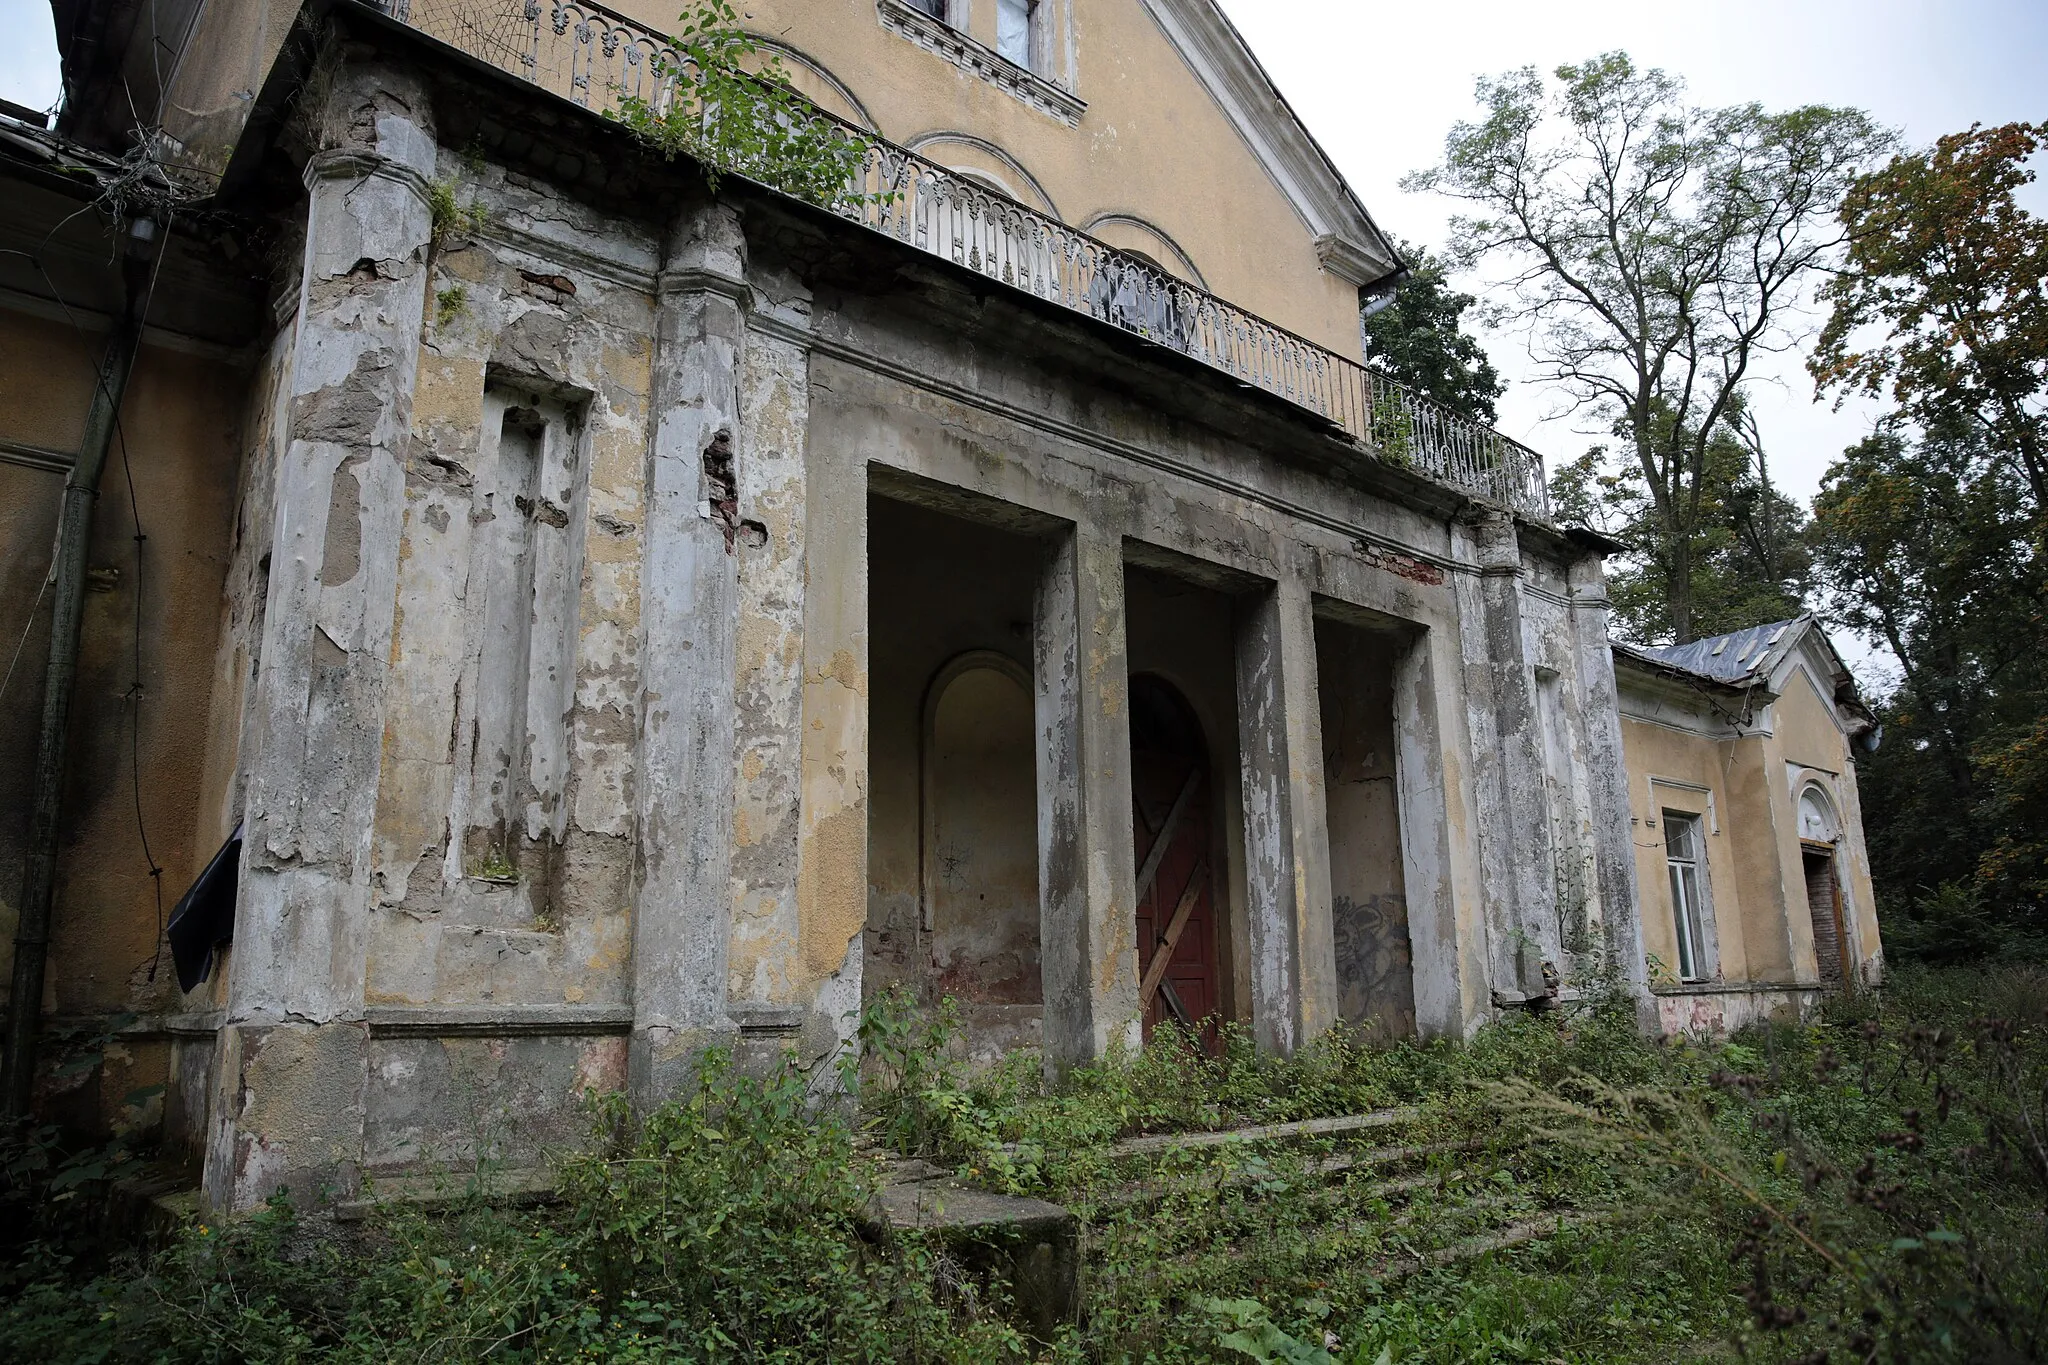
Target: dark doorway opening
[
  {"x": 1179, "y": 979},
  {"x": 1824, "y": 902}
]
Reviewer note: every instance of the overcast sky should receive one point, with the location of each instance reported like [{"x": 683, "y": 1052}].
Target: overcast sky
[{"x": 1381, "y": 83}]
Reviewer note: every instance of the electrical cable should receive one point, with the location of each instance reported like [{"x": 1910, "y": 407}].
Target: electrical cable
[
  {"x": 156, "y": 872},
  {"x": 135, "y": 690},
  {"x": 26, "y": 627}
]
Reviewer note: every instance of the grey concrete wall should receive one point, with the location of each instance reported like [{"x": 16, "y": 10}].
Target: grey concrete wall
[{"x": 1087, "y": 863}]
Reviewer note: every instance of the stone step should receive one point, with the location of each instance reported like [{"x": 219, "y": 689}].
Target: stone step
[
  {"x": 1030, "y": 1246},
  {"x": 1270, "y": 1132},
  {"x": 1138, "y": 1193}
]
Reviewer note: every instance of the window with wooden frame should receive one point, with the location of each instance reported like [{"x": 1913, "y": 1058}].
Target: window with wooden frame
[
  {"x": 1685, "y": 860},
  {"x": 935, "y": 8}
]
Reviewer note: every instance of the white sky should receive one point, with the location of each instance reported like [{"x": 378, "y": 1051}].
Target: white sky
[{"x": 1380, "y": 84}]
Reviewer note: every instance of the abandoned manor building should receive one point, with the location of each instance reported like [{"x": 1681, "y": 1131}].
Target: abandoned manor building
[{"x": 558, "y": 609}]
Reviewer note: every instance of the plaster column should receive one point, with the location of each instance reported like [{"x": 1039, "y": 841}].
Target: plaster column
[
  {"x": 1286, "y": 820},
  {"x": 1517, "y": 869},
  {"x": 1087, "y": 872},
  {"x": 689, "y": 605},
  {"x": 1607, "y": 782},
  {"x": 1446, "y": 961},
  {"x": 832, "y": 828},
  {"x": 293, "y": 1050}
]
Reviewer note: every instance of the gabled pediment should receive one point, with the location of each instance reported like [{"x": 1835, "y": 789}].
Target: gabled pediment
[{"x": 1348, "y": 242}]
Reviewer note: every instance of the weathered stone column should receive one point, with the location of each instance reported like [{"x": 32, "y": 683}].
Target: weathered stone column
[
  {"x": 1447, "y": 962},
  {"x": 1517, "y": 868},
  {"x": 1286, "y": 820},
  {"x": 1087, "y": 874},
  {"x": 832, "y": 844},
  {"x": 689, "y": 604},
  {"x": 293, "y": 1046},
  {"x": 1607, "y": 781}
]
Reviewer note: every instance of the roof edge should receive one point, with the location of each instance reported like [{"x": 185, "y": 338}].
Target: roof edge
[{"x": 1349, "y": 244}]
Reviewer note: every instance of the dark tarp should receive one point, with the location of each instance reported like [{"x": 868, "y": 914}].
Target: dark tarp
[{"x": 205, "y": 917}]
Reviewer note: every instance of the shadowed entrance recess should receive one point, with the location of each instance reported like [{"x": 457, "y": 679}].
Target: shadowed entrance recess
[{"x": 1170, "y": 797}]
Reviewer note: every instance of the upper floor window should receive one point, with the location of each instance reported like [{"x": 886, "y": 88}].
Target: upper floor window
[
  {"x": 1014, "y": 21},
  {"x": 935, "y": 8}
]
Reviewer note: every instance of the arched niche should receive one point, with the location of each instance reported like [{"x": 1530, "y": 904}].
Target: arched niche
[
  {"x": 1818, "y": 823},
  {"x": 1128, "y": 232},
  {"x": 980, "y": 848},
  {"x": 987, "y": 164}
]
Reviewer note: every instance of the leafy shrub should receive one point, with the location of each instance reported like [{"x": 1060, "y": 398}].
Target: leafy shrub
[
  {"x": 727, "y": 1225},
  {"x": 745, "y": 121}
]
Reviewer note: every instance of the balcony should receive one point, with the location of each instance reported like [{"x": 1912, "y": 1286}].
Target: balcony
[{"x": 599, "y": 59}]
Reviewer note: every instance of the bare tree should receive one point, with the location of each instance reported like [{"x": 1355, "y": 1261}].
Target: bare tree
[{"x": 1655, "y": 251}]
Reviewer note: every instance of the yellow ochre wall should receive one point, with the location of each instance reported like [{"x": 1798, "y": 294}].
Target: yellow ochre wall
[
  {"x": 1152, "y": 144},
  {"x": 1806, "y": 735},
  {"x": 1756, "y": 879},
  {"x": 1662, "y": 752},
  {"x": 180, "y": 421}
]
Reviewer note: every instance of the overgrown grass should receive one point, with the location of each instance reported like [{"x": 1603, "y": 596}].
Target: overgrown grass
[{"x": 1868, "y": 1187}]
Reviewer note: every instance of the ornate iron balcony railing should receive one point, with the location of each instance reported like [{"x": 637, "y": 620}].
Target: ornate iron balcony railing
[{"x": 600, "y": 59}]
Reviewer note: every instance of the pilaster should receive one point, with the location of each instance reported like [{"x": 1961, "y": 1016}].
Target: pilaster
[
  {"x": 689, "y": 606},
  {"x": 293, "y": 1047},
  {"x": 1607, "y": 780},
  {"x": 1517, "y": 877}
]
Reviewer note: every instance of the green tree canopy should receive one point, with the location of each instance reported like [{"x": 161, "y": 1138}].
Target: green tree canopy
[
  {"x": 1747, "y": 553},
  {"x": 1930, "y": 535},
  {"x": 1419, "y": 340},
  {"x": 1953, "y": 273},
  {"x": 1929, "y": 546},
  {"x": 1655, "y": 250}
]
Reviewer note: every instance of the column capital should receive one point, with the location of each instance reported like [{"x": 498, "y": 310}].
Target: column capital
[{"x": 354, "y": 163}]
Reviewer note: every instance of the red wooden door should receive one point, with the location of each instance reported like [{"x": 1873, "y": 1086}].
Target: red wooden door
[{"x": 1172, "y": 837}]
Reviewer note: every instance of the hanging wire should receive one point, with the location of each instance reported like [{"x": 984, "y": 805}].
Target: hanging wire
[
  {"x": 156, "y": 872},
  {"x": 26, "y": 627},
  {"x": 135, "y": 693}
]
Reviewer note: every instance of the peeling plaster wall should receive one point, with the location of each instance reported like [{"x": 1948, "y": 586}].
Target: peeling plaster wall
[
  {"x": 514, "y": 328},
  {"x": 764, "y": 963},
  {"x": 674, "y": 793}
]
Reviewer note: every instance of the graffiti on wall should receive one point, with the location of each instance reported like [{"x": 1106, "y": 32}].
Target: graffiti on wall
[{"x": 1375, "y": 968}]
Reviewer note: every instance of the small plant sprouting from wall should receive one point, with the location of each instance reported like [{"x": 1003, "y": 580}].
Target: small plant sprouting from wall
[
  {"x": 746, "y": 122},
  {"x": 448, "y": 305},
  {"x": 493, "y": 867},
  {"x": 451, "y": 217}
]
